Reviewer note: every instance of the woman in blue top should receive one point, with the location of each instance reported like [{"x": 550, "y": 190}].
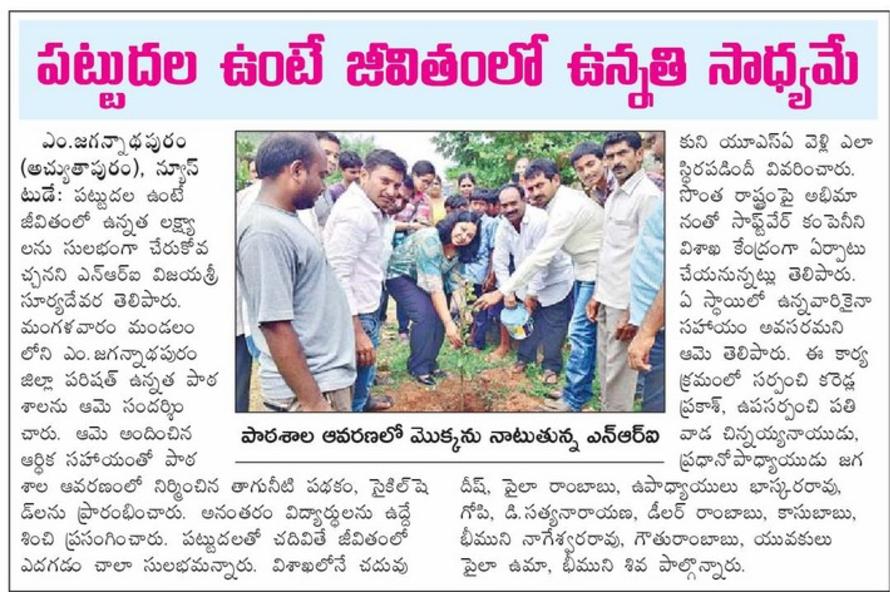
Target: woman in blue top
[{"x": 421, "y": 270}]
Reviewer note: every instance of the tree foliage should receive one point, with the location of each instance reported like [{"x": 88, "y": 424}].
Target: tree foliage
[
  {"x": 358, "y": 143},
  {"x": 491, "y": 156},
  {"x": 245, "y": 150}
]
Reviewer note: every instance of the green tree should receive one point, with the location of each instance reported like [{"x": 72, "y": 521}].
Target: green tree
[
  {"x": 358, "y": 143},
  {"x": 491, "y": 156}
]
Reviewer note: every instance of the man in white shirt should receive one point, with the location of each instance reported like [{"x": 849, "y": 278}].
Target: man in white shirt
[
  {"x": 548, "y": 296},
  {"x": 626, "y": 211},
  {"x": 574, "y": 225},
  {"x": 355, "y": 240}
]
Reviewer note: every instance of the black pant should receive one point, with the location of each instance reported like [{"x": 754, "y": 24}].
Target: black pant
[
  {"x": 551, "y": 323},
  {"x": 427, "y": 331}
]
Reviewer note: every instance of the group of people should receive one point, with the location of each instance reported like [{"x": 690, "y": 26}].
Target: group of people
[{"x": 317, "y": 265}]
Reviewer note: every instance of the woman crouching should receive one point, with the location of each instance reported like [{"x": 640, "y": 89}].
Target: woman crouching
[{"x": 421, "y": 271}]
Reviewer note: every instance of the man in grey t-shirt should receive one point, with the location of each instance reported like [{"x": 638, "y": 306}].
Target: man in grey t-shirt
[{"x": 305, "y": 336}]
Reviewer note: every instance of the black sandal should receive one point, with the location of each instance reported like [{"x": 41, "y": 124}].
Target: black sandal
[{"x": 425, "y": 379}]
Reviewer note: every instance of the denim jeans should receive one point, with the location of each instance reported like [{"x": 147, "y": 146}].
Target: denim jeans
[
  {"x": 243, "y": 367},
  {"x": 364, "y": 377},
  {"x": 653, "y": 381},
  {"x": 581, "y": 365}
]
